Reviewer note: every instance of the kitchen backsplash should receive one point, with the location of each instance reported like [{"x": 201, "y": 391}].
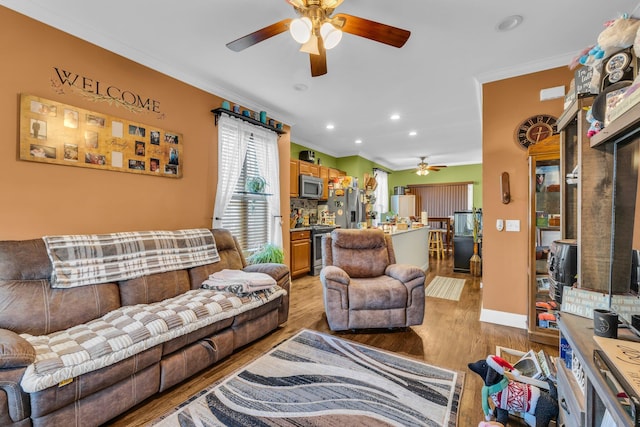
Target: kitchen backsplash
[{"x": 302, "y": 207}]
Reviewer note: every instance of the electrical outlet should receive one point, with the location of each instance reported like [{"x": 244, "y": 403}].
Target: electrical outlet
[{"x": 513, "y": 225}]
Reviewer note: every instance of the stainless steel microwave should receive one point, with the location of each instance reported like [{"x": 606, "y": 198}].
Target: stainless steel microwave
[{"x": 310, "y": 187}]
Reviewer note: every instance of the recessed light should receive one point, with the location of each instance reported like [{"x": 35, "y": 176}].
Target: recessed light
[
  {"x": 509, "y": 23},
  {"x": 395, "y": 117},
  {"x": 358, "y": 141},
  {"x": 330, "y": 126},
  {"x": 413, "y": 133}
]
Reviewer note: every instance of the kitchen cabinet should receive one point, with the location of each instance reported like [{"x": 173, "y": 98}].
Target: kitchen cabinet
[
  {"x": 544, "y": 228},
  {"x": 324, "y": 175},
  {"x": 306, "y": 168},
  {"x": 293, "y": 178},
  {"x": 300, "y": 252}
]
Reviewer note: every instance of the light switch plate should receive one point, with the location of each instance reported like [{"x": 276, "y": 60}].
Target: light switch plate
[
  {"x": 499, "y": 224},
  {"x": 513, "y": 225}
]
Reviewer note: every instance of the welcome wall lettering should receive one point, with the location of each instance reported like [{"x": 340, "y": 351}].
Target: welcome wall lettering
[{"x": 103, "y": 92}]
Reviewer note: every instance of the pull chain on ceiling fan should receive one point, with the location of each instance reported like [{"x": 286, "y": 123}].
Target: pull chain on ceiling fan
[
  {"x": 316, "y": 30},
  {"x": 424, "y": 168}
]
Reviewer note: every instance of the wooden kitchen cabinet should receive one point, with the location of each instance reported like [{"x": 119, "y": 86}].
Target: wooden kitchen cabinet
[
  {"x": 306, "y": 168},
  {"x": 300, "y": 252},
  {"x": 324, "y": 175},
  {"x": 293, "y": 178}
]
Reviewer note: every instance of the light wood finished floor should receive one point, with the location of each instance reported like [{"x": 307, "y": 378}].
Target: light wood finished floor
[{"x": 451, "y": 336}]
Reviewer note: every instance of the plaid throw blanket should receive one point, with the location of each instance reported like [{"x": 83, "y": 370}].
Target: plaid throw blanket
[
  {"x": 80, "y": 260},
  {"x": 130, "y": 330}
]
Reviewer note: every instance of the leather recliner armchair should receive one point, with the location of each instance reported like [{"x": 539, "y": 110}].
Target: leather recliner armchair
[{"x": 363, "y": 287}]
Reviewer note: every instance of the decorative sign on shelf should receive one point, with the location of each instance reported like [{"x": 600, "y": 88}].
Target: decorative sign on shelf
[{"x": 52, "y": 132}]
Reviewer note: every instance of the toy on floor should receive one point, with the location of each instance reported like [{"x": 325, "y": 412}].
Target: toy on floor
[
  {"x": 490, "y": 424},
  {"x": 538, "y": 406}
]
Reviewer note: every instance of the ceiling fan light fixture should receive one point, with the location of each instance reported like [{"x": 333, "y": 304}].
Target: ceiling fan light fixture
[
  {"x": 330, "y": 35},
  {"x": 311, "y": 46},
  {"x": 300, "y": 29},
  {"x": 422, "y": 172}
]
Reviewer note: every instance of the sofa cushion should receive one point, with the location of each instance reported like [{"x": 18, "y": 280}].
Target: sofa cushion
[
  {"x": 32, "y": 307},
  {"x": 154, "y": 287},
  {"x": 378, "y": 293},
  {"x": 130, "y": 330},
  {"x": 360, "y": 253}
]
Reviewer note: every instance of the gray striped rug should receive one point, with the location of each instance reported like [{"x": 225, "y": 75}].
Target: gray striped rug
[
  {"x": 445, "y": 287},
  {"x": 315, "y": 379}
]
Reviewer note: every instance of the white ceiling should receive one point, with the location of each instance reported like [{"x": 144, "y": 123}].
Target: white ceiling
[{"x": 433, "y": 82}]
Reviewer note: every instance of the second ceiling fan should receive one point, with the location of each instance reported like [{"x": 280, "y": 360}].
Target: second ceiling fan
[
  {"x": 424, "y": 168},
  {"x": 316, "y": 30}
]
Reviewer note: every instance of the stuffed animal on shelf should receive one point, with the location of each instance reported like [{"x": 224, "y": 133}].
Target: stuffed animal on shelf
[
  {"x": 595, "y": 126},
  {"x": 538, "y": 406},
  {"x": 618, "y": 34}
]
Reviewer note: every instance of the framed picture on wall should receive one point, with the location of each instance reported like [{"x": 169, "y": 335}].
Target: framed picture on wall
[{"x": 56, "y": 133}]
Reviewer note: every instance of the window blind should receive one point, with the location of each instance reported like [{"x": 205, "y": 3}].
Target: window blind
[{"x": 247, "y": 215}]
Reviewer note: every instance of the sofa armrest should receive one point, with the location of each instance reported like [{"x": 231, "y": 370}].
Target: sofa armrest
[
  {"x": 280, "y": 273},
  {"x": 404, "y": 272},
  {"x": 15, "y": 351},
  {"x": 277, "y": 271},
  {"x": 15, "y": 355},
  {"x": 335, "y": 274}
]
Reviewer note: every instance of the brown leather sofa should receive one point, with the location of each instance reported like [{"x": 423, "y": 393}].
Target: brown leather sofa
[
  {"x": 363, "y": 287},
  {"x": 28, "y": 305}
]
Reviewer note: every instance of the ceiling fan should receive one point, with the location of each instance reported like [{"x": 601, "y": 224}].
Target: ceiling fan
[
  {"x": 424, "y": 168},
  {"x": 316, "y": 30}
]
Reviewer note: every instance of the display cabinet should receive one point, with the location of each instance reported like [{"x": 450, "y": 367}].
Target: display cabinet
[
  {"x": 544, "y": 228},
  {"x": 463, "y": 239}
]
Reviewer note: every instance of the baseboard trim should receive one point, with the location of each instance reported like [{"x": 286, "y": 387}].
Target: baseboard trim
[{"x": 504, "y": 318}]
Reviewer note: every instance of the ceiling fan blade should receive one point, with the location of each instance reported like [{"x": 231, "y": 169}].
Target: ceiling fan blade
[
  {"x": 376, "y": 31},
  {"x": 319, "y": 62},
  {"x": 258, "y": 36},
  {"x": 436, "y": 168}
]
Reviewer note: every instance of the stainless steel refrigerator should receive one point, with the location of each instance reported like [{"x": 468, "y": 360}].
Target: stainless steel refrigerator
[{"x": 349, "y": 207}]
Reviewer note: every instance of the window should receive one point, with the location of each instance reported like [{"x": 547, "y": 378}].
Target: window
[
  {"x": 247, "y": 215},
  {"x": 245, "y": 152}
]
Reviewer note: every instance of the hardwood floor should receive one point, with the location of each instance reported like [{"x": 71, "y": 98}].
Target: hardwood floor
[{"x": 451, "y": 336}]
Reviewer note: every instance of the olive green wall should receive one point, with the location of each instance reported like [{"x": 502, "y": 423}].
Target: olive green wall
[
  {"x": 451, "y": 174},
  {"x": 326, "y": 160},
  {"x": 357, "y": 166}
]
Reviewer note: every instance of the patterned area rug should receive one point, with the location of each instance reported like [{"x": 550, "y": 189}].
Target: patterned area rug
[
  {"x": 314, "y": 379},
  {"x": 445, "y": 287}
]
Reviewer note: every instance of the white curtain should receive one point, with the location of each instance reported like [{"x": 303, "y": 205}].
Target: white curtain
[
  {"x": 233, "y": 139},
  {"x": 382, "y": 194},
  {"x": 268, "y": 164},
  {"x": 232, "y": 149}
]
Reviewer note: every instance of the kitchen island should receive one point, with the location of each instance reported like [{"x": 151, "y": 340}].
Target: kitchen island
[{"x": 412, "y": 246}]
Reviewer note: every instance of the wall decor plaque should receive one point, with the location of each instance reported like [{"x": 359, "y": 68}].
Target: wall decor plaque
[{"x": 53, "y": 132}]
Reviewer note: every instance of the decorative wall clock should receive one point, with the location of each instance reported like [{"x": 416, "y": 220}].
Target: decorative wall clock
[{"x": 535, "y": 129}]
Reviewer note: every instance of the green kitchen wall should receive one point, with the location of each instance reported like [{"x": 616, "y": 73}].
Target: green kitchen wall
[
  {"x": 451, "y": 174},
  {"x": 357, "y": 166}
]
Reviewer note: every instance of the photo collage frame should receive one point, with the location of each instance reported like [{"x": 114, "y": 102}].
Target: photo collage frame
[{"x": 53, "y": 132}]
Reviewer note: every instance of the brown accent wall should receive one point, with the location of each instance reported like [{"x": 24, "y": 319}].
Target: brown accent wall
[
  {"x": 39, "y": 199},
  {"x": 506, "y": 103}
]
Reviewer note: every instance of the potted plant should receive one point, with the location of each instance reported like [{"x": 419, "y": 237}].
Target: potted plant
[
  {"x": 255, "y": 184},
  {"x": 269, "y": 253}
]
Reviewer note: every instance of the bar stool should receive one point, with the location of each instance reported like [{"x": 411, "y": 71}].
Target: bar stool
[{"x": 436, "y": 247}]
